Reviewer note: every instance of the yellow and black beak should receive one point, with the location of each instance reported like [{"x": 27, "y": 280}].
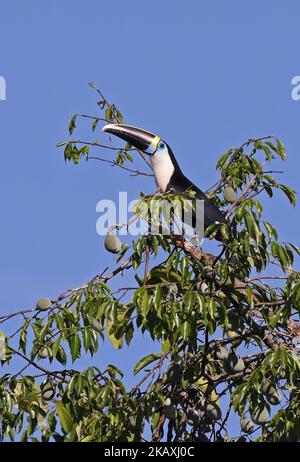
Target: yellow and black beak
[{"x": 137, "y": 137}]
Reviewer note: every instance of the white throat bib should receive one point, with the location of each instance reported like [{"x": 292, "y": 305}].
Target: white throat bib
[{"x": 163, "y": 169}]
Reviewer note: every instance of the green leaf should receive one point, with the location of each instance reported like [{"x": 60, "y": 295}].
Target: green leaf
[
  {"x": 61, "y": 143},
  {"x": 68, "y": 151},
  {"x": 87, "y": 338},
  {"x": 289, "y": 192},
  {"x": 249, "y": 224},
  {"x": 280, "y": 149},
  {"x": 61, "y": 356},
  {"x": 223, "y": 158},
  {"x": 189, "y": 300},
  {"x": 23, "y": 336},
  {"x": 95, "y": 123},
  {"x": 166, "y": 346},
  {"x": 211, "y": 308},
  {"x": 297, "y": 249},
  {"x": 157, "y": 297},
  {"x": 65, "y": 417},
  {"x": 115, "y": 369},
  {"x": 275, "y": 318},
  {"x": 271, "y": 230},
  {"x": 155, "y": 245},
  {"x": 72, "y": 124},
  {"x": 267, "y": 153},
  {"x": 145, "y": 361},
  {"x": 271, "y": 145},
  {"x": 128, "y": 156},
  {"x": 129, "y": 334},
  {"x": 101, "y": 103},
  {"x": 56, "y": 346},
  {"x": 120, "y": 117},
  {"x": 155, "y": 420},
  {"x": 72, "y": 384},
  {"x": 109, "y": 113},
  {"x": 185, "y": 330},
  {"x": 120, "y": 158},
  {"x": 145, "y": 302},
  {"x": 116, "y": 342},
  {"x": 75, "y": 346}
]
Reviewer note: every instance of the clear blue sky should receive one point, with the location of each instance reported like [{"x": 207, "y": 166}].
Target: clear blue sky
[{"x": 203, "y": 75}]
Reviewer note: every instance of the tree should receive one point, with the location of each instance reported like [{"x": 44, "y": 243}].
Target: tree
[{"x": 228, "y": 326}]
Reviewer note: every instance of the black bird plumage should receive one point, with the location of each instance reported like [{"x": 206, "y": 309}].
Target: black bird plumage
[{"x": 179, "y": 183}]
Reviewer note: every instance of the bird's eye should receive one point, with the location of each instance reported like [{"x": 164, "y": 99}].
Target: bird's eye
[{"x": 161, "y": 145}]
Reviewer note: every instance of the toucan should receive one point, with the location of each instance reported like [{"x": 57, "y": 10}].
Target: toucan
[{"x": 168, "y": 174}]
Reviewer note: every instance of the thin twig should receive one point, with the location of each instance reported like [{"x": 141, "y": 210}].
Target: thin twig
[{"x": 113, "y": 163}]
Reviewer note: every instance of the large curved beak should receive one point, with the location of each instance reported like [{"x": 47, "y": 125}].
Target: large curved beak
[{"x": 137, "y": 137}]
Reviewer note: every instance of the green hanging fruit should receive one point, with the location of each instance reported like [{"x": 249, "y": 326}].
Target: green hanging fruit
[
  {"x": 246, "y": 425},
  {"x": 48, "y": 391},
  {"x": 43, "y": 304},
  {"x": 192, "y": 417},
  {"x": 112, "y": 243},
  {"x": 273, "y": 398},
  {"x": 97, "y": 325},
  {"x": 43, "y": 353},
  {"x": 267, "y": 388},
  {"x": 204, "y": 288},
  {"x": 168, "y": 402},
  {"x": 221, "y": 352},
  {"x": 229, "y": 194},
  {"x": 234, "y": 363},
  {"x": 260, "y": 416},
  {"x": 213, "y": 411},
  {"x": 209, "y": 410},
  {"x": 232, "y": 334}
]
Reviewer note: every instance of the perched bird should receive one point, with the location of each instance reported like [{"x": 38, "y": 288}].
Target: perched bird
[{"x": 167, "y": 173}]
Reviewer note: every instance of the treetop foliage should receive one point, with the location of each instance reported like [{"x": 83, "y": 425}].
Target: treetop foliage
[{"x": 227, "y": 324}]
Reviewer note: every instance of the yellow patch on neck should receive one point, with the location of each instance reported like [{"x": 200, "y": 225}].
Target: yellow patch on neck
[{"x": 155, "y": 142}]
